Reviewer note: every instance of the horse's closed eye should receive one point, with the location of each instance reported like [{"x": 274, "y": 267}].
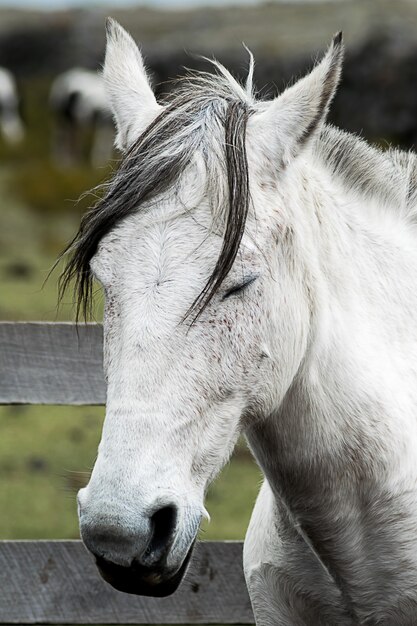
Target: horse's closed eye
[{"x": 240, "y": 287}]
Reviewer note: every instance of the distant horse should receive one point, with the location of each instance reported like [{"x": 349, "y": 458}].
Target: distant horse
[
  {"x": 11, "y": 125},
  {"x": 79, "y": 102},
  {"x": 259, "y": 271}
]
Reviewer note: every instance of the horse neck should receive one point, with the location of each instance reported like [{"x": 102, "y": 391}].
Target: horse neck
[
  {"x": 337, "y": 416},
  {"x": 339, "y": 450}
]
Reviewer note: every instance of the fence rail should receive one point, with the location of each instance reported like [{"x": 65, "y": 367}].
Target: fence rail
[
  {"x": 51, "y": 363},
  {"x": 56, "y": 582}
]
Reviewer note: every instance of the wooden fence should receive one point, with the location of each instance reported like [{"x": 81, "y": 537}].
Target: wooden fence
[{"x": 56, "y": 582}]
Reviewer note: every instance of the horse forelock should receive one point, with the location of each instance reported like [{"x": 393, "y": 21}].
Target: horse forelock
[{"x": 206, "y": 113}]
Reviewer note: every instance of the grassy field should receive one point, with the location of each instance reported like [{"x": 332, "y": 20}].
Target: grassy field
[{"x": 46, "y": 453}]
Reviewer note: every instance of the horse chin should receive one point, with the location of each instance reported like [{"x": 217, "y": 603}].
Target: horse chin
[{"x": 140, "y": 580}]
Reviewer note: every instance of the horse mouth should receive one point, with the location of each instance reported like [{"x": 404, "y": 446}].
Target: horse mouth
[{"x": 140, "y": 580}]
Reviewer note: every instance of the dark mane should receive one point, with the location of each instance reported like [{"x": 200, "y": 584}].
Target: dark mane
[{"x": 203, "y": 108}]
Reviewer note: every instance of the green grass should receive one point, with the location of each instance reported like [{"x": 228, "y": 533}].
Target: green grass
[{"x": 44, "y": 452}]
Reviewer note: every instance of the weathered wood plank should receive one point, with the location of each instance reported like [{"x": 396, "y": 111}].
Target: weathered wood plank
[
  {"x": 56, "y": 582},
  {"x": 50, "y": 363}
]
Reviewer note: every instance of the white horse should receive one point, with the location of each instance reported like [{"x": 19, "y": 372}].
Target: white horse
[
  {"x": 11, "y": 125},
  {"x": 259, "y": 270},
  {"x": 79, "y": 102}
]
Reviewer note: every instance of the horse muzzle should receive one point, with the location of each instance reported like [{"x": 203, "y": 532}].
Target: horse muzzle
[
  {"x": 143, "y": 554},
  {"x": 142, "y": 580}
]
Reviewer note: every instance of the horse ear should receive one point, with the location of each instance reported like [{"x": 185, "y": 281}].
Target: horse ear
[
  {"x": 131, "y": 97},
  {"x": 293, "y": 117}
]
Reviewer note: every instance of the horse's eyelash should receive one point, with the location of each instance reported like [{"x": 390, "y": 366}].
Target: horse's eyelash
[{"x": 237, "y": 288}]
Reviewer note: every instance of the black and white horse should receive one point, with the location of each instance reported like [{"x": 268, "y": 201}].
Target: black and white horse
[
  {"x": 11, "y": 125},
  {"x": 79, "y": 103}
]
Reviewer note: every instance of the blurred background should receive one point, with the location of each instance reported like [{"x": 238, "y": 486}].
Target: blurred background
[{"x": 55, "y": 144}]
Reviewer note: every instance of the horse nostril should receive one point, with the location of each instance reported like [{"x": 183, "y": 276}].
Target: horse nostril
[{"x": 163, "y": 524}]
